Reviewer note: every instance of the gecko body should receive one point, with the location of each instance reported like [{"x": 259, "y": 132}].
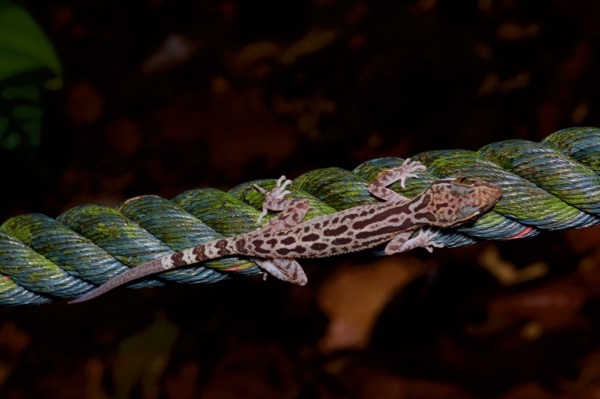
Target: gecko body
[{"x": 286, "y": 237}]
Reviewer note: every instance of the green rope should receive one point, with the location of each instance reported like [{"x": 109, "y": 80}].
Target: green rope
[{"x": 550, "y": 185}]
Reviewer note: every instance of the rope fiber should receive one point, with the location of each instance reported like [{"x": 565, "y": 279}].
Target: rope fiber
[{"x": 551, "y": 185}]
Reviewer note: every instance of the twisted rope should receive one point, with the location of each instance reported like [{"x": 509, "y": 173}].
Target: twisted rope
[{"x": 550, "y": 185}]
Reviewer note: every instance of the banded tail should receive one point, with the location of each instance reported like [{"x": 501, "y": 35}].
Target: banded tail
[{"x": 210, "y": 250}]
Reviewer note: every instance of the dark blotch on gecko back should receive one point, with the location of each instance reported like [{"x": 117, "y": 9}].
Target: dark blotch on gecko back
[
  {"x": 283, "y": 251},
  {"x": 425, "y": 215},
  {"x": 342, "y": 241},
  {"x": 380, "y": 217},
  {"x": 199, "y": 251},
  {"x": 335, "y": 232},
  {"x": 240, "y": 244},
  {"x": 348, "y": 216},
  {"x": 177, "y": 259},
  {"x": 222, "y": 247},
  {"x": 425, "y": 200},
  {"x": 318, "y": 246},
  {"x": 441, "y": 205},
  {"x": 383, "y": 230},
  {"x": 288, "y": 240},
  {"x": 310, "y": 237},
  {"x": 258, "y": 246},
  {"x": 298, "y": 250}
]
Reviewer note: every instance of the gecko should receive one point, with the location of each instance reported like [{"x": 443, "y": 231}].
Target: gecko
[{"x": 287, "y": 236}]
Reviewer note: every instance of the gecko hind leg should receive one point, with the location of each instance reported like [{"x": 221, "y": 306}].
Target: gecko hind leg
[
  {"x": 274, "y": 199},
  {"x": 379, "y": 187},
  {"x": 292, "y": 213},
  {"x": 292, "y": 210},
  {"x": 402, "y": 242},
  {"x": 284, "y": 269}
]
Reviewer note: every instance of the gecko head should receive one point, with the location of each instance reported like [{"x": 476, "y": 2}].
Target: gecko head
[{"x": 455, "y": 201}]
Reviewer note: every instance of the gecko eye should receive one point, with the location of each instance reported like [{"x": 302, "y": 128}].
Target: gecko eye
[
  {"x": 462, "y": 186},
  {"x": 462, "y": 181}
]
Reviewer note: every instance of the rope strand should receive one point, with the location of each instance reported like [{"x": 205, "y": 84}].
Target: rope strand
[{"x": 551, "y": 185}]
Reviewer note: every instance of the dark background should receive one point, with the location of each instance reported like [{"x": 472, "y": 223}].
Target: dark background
[{"x": 262, "y": 88}]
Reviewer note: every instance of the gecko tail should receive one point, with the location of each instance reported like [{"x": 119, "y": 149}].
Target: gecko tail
[{"x": 143, "y": 270}]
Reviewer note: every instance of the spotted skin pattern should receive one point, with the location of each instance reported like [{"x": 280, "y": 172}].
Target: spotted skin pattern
[{"x": 286, "y": 237}]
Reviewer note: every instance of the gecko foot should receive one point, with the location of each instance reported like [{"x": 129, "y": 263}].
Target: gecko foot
[
  {"x": 284, "y": 269},
  {"x": 400, "y": 173},
  {"x": 424, "y": 239}
]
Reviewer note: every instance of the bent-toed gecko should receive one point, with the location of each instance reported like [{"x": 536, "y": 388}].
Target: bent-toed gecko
[{"x": 286, "y": 237}]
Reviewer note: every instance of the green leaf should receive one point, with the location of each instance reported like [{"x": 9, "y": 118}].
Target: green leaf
[
  {"x": 23, "y": 45},
  {"x": 20, "y": 116}
]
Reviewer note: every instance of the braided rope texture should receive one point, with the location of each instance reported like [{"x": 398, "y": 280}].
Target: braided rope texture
[{"x": 551, "y": 185}]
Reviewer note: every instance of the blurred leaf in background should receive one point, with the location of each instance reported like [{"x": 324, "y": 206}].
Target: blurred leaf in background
[{"x": 26, "y": 58}]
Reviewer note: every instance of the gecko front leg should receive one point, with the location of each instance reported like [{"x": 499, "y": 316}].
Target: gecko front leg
[
  {"x": 292, "y": 212},
  {"x": 379, "y": 187}
]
